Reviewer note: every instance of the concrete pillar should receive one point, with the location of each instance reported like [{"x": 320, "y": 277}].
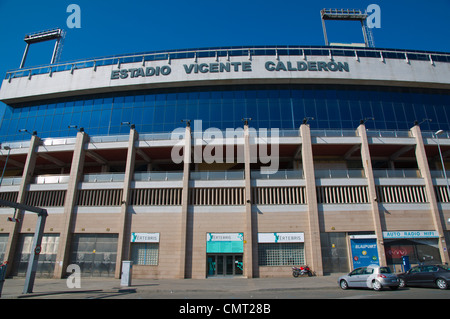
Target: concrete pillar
[
  {"x": 422, "y": 163},
  {"x": 372, "y": 193},
  {"x": 76, "y": 173},
  {"x": 249, "y": 242},
  {"x": 312, "y": 240},
  {"x": 27, "y": 175},
  {"x": 185, "y": 202},
  {"x": 123, "y": 241}
]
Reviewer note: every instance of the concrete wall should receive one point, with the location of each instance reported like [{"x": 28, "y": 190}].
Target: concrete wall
[{"x": 361, "y": 71}]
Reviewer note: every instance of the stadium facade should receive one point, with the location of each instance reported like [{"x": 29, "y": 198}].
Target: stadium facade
[{"x": 237, "y": 161}]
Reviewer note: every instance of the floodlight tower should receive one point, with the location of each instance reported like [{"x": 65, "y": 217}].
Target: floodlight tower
[
  {"x": 54, "y": 34},
  {"x": 348, "y": 15}
]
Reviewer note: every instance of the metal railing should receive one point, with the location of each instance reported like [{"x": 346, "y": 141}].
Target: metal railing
[
  {"x": 51, "y": 179},
  {"x": 396, "y": 173},
  {"x": 386, "y": 133},
  {"x": 333, "y": 133},
  {"x": 104, "y": 178},
  {"x": 10, "y": 181},
  {"x": 438, "y": 173},
  {"x": 158, "y": 176},
  {"x": 217, "y": 175},
  {"x": 254, "y": 133},
  {"x": 339, "y": 173},
  {"x": 227, "y": 52},
  {"x": 280, "y": 174}
]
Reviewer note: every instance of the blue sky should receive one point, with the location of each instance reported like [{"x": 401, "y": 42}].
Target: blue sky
[{"x": 117, "y": 27}]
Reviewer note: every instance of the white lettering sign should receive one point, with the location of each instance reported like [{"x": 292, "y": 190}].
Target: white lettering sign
[
  {"x": 411, "y": 234},
  {"x": 281, "y": 237},
  {"x": 224, "y": 237},
  {"x": 145, "y": 237}
]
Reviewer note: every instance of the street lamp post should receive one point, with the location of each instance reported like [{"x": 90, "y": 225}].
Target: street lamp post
[{"x": 442, "y": 162}]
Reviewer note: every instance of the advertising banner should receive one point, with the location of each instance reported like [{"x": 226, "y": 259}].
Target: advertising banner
[{"x": 364, "y": 252}]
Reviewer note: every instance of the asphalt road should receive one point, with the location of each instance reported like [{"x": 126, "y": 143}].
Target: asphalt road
[
  {"x": 322, "y": 287},
  {"x": 323, "y": 293}
]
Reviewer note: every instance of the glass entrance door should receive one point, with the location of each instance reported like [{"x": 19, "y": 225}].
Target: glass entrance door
[{"x": 224, "y": 265}]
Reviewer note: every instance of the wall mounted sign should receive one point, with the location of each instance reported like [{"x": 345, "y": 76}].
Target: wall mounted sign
[
  {"x": 145, "y": 237},
  {"x": 227, "y": 67},
  {"x": 410, "y": 234},
  {"x": 224, "y": 243},
  {"x": 281, "y": 237},
  {"x": 364, "y": 252}
]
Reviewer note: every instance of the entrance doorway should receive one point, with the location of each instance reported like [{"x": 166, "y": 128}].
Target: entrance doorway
[{"x": 224, "y": 265}]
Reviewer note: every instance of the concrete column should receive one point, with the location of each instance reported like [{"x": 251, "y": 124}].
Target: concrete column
[
  {"x": 27, "y": 175},
  {"x": 312, "y": 240},
  {"x": 422, "y": 163},
  {"x": 185, "y": 202},
  {"x": 76, "y": 173},
  {"x": 123, "y": 241},
  {"x": 249, "y": 241},
  {"x": 368, "y": 171}
]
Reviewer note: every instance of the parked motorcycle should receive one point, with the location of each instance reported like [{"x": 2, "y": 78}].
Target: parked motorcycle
[{"x": 301, "y": 271}]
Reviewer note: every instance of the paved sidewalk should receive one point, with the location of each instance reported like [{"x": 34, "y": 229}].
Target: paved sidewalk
[{"x": 92, "y": 288}]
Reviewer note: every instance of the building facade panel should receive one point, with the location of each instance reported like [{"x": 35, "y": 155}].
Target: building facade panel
[{"x": 111, "y": 139}]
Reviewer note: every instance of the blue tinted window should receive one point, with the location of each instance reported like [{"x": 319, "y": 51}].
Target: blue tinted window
[{"x": 281, "y": 106}]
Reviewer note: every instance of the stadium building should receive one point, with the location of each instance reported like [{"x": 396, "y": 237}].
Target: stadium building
[{"x": 234, "y": 161}]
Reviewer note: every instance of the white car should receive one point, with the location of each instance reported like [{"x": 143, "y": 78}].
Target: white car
[{"x": 374, "y": 277}]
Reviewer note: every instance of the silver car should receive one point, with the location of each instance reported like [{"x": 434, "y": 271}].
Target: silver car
[{"x": 373, "y": 277}]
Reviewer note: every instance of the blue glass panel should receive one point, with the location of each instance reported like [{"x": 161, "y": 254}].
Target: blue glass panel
[
  {"x": 95, "y": 119},
  {"x": 170, "y": 114},
  {"x": 66, "y": 120},
  {"x": 105, "y": 118},
  {"x": 147, "y": 115},
  {"x": 128, "y": 102},
  {"x": 116, "y": 117},
  {"x": 48, "y": 120},
  {"x": 136, "y": 119},
  {"x": 118, "y": 102},
  {"x": 76, "y": 119},
  {"x": 274, "y": 111},
  {"x": 282, "y": 106},
  {"x": 39, "y": 122},
  {"x": 78, "y": 106},
  {"x": 88, "y": 105},
  {"x": 85, "y": 120},
  {"x": 159, "y": 114},
  {"x": 57, "y": 122}
]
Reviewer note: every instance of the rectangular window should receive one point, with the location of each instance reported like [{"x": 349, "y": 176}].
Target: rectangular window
[
  {"x": 281, "y": 254},
  {"x": 145, "y": 253}
]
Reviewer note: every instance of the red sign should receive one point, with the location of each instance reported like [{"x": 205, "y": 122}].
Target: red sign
[{"x": 399, "y": 251}]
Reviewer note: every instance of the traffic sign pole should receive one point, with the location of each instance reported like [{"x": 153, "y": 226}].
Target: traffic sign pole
[
  {"x": 34, "y": 255},
  {"x": 37, "y": 239}
]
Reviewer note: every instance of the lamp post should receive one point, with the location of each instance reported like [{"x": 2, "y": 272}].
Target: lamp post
[{"x": 442, "y": 162}]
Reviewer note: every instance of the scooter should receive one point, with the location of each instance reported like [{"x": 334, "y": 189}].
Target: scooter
[{"x": 301, "y": 271}]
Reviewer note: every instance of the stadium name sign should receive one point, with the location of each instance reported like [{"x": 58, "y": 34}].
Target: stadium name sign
[
  {"x": 226, "y": 67},
  {"x": 307, "y": 66}
]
